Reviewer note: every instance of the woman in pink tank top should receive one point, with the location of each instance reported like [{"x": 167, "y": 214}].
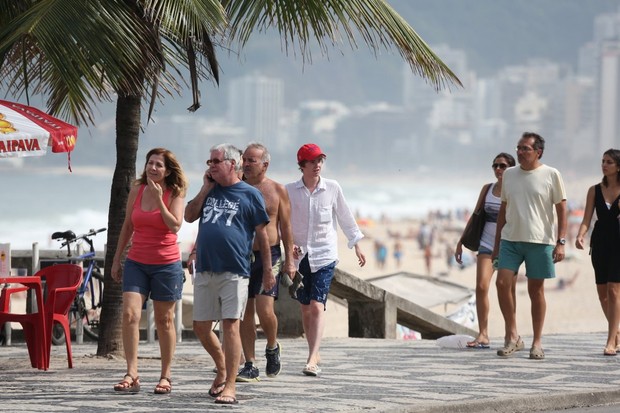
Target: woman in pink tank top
[{"x": 153, "y": 266}]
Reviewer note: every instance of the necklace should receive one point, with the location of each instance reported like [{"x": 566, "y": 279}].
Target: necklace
[{"x": 497, "y": 190}]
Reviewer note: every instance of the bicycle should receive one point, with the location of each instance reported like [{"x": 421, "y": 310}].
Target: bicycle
[{"x": 89, "y": 297}]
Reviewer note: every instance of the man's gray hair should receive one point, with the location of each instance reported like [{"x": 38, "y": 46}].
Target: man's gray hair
[
  {"x": 257, "y": 145},
  {"x": 231, "y": 152}
]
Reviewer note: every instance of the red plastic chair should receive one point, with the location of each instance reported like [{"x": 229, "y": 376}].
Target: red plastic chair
[
  {"x": 5, "y": 297},
  {"x": 33, "y": 324},
  {"x": 5, "y": 301},
  {"x": 62, "y": 282}
]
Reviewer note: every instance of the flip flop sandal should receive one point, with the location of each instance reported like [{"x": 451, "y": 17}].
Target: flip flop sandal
[
  {"x": 127, "y": 386},
  {"x": 311, "y": 370},
  {"x": 163, "y": 388},
  {"x": 217, "y": 389},
  {"x": 226, "y": 400},
  {"x": 477, "y": 345}
]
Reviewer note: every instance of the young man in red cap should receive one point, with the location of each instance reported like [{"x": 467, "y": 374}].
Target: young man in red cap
[{"x": 317, "y": 204}]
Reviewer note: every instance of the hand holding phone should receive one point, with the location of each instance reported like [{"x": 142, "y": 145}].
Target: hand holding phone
[{"x": 192, "y": 270}]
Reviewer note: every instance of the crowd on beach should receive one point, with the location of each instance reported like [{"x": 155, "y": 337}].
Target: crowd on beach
[
  {"x": 391, "y": 246},
  {"x": 258, "y": 237}
]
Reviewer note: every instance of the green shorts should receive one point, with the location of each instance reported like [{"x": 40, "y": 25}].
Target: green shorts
[{"x": 538, "y": 258}]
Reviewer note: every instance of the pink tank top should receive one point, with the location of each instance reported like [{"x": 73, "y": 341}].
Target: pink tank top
[{"x": 152, "y": 242}]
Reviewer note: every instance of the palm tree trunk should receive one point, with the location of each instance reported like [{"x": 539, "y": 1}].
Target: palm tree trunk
[{"x": 127, "y": 138}]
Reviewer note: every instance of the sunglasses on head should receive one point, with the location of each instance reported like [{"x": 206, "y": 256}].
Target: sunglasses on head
[{"x": 499, "y": 165}]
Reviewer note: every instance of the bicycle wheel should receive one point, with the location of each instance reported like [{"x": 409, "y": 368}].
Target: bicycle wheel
[
  {"x": 58, "y": 335},
  {"x": 90, "y": 305}
]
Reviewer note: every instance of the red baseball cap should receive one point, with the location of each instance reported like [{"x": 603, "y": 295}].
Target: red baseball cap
[{"x": 309, "y": 152}]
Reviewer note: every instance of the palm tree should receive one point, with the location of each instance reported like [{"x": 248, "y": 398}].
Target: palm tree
[{"x": 79, "y": 53}]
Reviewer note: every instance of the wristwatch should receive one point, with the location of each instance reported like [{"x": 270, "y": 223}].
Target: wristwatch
[{"x": 562, "y": 241}]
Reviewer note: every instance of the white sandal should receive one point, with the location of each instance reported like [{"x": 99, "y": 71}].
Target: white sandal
[{"x": 311, "y": 370}]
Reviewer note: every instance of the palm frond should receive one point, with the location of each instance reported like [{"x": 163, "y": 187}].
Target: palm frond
[
  {"x": 331, "y": 22},
  {"x": 100, "y": 47},
  {"x": 189, "y": 26}
]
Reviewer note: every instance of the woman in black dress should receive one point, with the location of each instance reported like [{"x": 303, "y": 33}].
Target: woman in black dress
[{"x": 605, "y": 243}]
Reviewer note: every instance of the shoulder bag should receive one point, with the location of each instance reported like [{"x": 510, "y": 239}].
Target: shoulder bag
[{"x": 473, "y": 231}]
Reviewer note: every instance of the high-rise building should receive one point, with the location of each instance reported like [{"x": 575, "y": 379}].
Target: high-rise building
[
  {"x": 602, "y": 57},
  {"x": 607, "y": 26},
  {"x": 256, "y": 104},
  {"x": 587, "y": 60},
  {"x": 575, "y": 120},
  {"x": 609, "y": 103}
]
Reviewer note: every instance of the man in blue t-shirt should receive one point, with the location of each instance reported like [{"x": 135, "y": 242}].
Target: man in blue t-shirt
[{"x": 233, "y": 214}]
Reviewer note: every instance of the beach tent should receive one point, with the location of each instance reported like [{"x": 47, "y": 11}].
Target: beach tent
[{"x": 27, "y": 131}]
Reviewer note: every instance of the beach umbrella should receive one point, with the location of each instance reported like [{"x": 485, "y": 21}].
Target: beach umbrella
[{"x": 27, "y": 131}]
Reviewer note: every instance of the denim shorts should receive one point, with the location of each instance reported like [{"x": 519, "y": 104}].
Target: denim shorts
[
  {"x": 162, "y": 282},
  {"x": 538, "y": 258},
  {"x": 316, "y": 284},
  {"x": 256, "y": 273},
  {"x": 484, "y": 251}
]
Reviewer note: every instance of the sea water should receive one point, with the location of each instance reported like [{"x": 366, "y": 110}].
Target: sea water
[{"x": 39, "y": 201}]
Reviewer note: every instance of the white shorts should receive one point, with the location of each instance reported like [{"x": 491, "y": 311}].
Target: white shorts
[{"x": 219, "y": 296}]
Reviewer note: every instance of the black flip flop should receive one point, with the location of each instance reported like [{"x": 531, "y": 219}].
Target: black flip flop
[
  {"x": 226, "y": 400},
  {"x": 217, "y": 387}
]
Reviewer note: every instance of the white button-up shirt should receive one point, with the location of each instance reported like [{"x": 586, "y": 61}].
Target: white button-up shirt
[{"x": 314, "y": 218}]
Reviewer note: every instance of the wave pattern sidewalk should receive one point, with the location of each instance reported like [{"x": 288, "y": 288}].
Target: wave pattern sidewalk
[{"x": 358, "y": 375}]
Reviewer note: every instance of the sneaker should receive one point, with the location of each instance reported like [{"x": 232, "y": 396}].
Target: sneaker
[
  {"x": 247, "y": 373},
  {"x": 273, "y": 360}
]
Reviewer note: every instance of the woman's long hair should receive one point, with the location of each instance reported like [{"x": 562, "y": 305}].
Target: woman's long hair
[
  {"x": 175, "y": 180},
  {"x": 615, "y": 155}
]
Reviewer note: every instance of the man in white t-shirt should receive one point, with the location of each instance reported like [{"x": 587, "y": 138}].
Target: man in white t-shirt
[{"x": 525, "y": 233}]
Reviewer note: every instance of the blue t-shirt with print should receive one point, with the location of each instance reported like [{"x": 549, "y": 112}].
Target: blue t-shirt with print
[{"x": 229, "y": 217}]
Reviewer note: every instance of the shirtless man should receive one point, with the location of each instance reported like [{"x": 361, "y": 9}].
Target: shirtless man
[{"x": 256, "y": 160}]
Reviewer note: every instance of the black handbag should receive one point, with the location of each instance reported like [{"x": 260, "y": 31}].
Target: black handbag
[{"x": 473, "y": 231}]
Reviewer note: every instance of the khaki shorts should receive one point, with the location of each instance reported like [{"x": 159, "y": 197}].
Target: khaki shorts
[{"x": 219, "y": 296}]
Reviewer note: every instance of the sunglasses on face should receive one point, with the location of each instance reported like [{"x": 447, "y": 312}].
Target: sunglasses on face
[
  {"x": 499, "y": 165},
  {"x": 215, "y": 161}
]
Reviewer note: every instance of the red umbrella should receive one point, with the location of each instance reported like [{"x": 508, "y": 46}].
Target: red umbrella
[{"x": 26, "y": 131}]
